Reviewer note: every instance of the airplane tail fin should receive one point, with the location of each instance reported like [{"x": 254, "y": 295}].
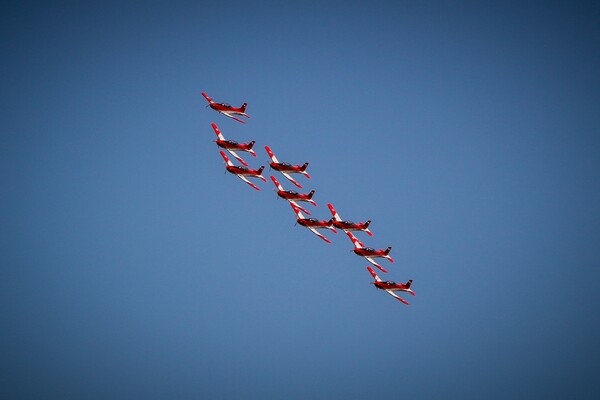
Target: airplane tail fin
[
  {"x": 261, "y": 169},
  {"x": 250, "y": 145},
  {"x": 243, "y": 107},
  {"x": 408, "y": 289},
  {"x": 303, "y": 170},
  {"x": 310, "y": 200},
  {"x": 387, "y": 251},
  {"x": 367, "y": 223}
]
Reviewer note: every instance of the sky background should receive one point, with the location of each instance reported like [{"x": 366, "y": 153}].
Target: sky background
[{"x": 133, "y": 267}]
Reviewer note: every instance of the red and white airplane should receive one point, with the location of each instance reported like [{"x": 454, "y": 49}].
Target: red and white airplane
[
  {"x": 286, "y": 168},
  {"x": 369, "y": 253},
  {"x": 227, "y": 109},
  {"x": 346, "y": 225},
  {"x": 294, "y": 197},
  {"x": 243, "y": 172},
  {"x": 232, "y": 146},
  {"x": 390, "y": 286},
  {"x": 313, "y": 224}
]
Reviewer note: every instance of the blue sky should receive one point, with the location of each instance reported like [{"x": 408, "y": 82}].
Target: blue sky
[{"x": 133, "y": 267}]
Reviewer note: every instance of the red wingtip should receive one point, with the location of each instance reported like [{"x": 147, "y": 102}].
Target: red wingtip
[{"x": 403, "y": 301}]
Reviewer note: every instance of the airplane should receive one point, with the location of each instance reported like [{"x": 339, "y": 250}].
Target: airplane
[
  {"x": 243, "y": 172},
  {"x": 313, "y": 224},
  {"x": 286, "y": 168},
  {"x": 369, "y": 253},
  {"x": 232, "y": 146},
  {"x": 294, "y": 197},
  {"x": 390, "y": 286},
  {"x": 227, "y": 109},
  {"x": 346, "y": 225}
]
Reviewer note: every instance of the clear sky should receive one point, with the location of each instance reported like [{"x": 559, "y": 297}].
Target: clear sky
[{"x": 133, "y": 267}]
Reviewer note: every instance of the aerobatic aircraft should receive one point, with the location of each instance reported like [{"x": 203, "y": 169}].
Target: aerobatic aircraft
[
  {"x": 346, "y": 225},
  {"x": 312, "y": 223},
  {"x": 232, "y": 146},
  {"x": 243, "y": 172},
  {"x": 369, "y": 253},
  {"x": 286, "y": 168},
  {"x": 227, "y": 109},
  {"x": 390, "y": 286},
  {"x": 294, "y": 197}
]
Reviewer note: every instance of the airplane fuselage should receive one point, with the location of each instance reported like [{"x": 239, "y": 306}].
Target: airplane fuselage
[
  {"x": 349, "y": 226},
  {"x": 313, "y": 223},
  {"x": 369, "y": 252},
  {"x": 232, "y": 145},
  {"x": 285, "y": 167},
  {"x": 385, "y": 285},
  {"x": 236, "y": 170},
  {"x": 291, "y": 195}
]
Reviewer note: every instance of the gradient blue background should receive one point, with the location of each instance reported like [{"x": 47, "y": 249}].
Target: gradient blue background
[{"x": 132, "y": 267}]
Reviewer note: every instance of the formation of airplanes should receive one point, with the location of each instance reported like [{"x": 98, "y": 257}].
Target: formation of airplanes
[{"x": 244, "y": 172}]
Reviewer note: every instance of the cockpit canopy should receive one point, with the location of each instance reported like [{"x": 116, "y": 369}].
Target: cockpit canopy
[
  {"x": 292, "y": 192},
  {"x": 225, "y": 105},
  {"x": 391, "y": 283},
  {"x": 286, "y": 164},
  {"x": 313, "y": 220},
  {"x": 369, "y": 249},
  {"x": 347, "y": 222},
  {"x": 231, "y": 142}
]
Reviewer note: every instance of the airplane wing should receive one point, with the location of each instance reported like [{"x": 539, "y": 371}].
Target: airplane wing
[
  {"x": 299, "y": 207},
  {"x": 378, "y": 279},
  {"x": 271, "y": 155},
  {"x": 369, "y": 259},
  {"x": 276, "y": 182},
  {"x": 232, "y": 117},
  {"x": 227, "y": 161},
  {"x": 207, "y": 98},
  {"x": 336, "y": 216},
  {"x": 217, "y": 131},
  {"x": 291, "y": 179},
  {"x": 313, "y": 230},
  {"x": 237, "y": 157},
  {"x": 248, "y": 182},
  {"x": 397, "y": 297},
  {"x": 357, "y": 243},
  {"x": 296, "y": 210}
]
